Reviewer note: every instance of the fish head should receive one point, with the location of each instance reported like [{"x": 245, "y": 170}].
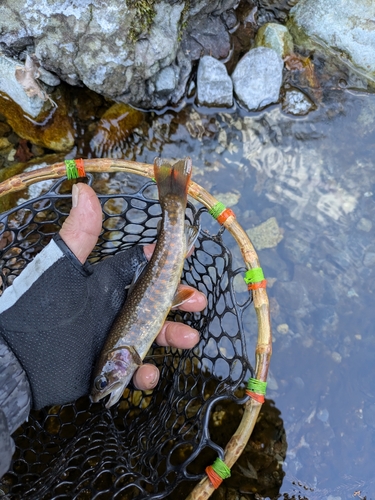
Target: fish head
[{"x": 112, "y": 375}]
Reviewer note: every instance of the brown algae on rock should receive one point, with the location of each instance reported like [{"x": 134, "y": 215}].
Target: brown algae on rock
[
  {"x": 114, "y": 127},
  {"x": 52, "y": 129}
]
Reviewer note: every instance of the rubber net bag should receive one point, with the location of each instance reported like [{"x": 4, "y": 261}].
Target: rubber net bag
[{"x": 152, "y": 444}]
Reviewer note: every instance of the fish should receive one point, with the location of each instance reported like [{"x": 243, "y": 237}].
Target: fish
[{"x": 154, "y": 292}]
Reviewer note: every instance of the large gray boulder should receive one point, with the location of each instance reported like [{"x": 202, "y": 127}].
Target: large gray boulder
[
  {"x": 257, "y": 78},
  {"x": 142, "y": 56},
  {"x": 345, "y": 27}
]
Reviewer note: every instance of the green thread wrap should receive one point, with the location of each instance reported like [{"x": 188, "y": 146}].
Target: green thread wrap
[
  {"x": 254, "y": 275},
  {"x": 257, "y": 386},
  {"x": 221, "y": 469},
  {"x": 217, "y": 209},
  {"x": 71, "y": 169}
]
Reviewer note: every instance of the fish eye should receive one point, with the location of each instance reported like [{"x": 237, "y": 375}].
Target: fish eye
[{"x": 101, "y": 382}]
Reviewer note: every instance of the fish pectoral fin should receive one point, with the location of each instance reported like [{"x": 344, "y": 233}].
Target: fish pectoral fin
[
  {"x": 136, "y": 357},
  {"x": 191, "y": 234},
  {"x": 182, "y": 295},
  {"x": 137, "y": 275}
]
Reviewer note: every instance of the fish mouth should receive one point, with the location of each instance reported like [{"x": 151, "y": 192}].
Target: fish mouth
[{"x": 115, "y": 392}]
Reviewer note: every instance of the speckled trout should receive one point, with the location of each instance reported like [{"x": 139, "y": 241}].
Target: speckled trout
[{"x": 154, "y": 293}]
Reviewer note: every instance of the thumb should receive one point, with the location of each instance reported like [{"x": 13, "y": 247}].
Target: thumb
[{"x": 82, "y": 227}]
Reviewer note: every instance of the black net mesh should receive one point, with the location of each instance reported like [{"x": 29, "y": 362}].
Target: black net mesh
[{"x": 151, "y": 441}]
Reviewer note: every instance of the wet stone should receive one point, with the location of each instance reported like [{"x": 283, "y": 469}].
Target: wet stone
[
  {"x": 296, "y": 103},
  {"x": 257, "y": 78},
  {"x": 347, "y": 31},
  {"x": 369, "y": 258},
  {"x": 266, "y": 235},
  {"x": 215, "y": 87},
  {"x": 364, "y": 225},
  {"x": 275, "y": 36},
  {"x": 292, "y": 296}
]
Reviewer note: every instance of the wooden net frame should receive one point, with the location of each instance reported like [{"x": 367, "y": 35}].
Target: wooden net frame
[{"x": 263, "y": 350}]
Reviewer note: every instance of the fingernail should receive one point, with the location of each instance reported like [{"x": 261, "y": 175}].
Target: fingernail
[
  {"x": 75, "y": 195},
  {"x": 153, "y": 380}
]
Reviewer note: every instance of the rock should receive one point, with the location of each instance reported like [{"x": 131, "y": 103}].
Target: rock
[
  {"x": 369, "y": 258},
  {"x": 364, "y": 225},
  {"x": 139, "y": 53},
  {"x": 166, "y": 80},
  {"x": 266, "y": 235},
  {"x": 257, "y": 78},
  {"x": 215, "y": 87},
  {"x": 342, "y": 26},
  {"x": 228, "y": 199},
  {"x": 275, "y": 36},
  {"x": 296, "y": 103},
  {"x": 52, "y": 128},
  {"x": 292, "y": 297},
  {"x": 113, "y": 128},
  {"x": 10, "y": 86}
]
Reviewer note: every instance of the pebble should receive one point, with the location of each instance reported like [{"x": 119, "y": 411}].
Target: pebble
[
  {"x": 283, "y": 328},
  {"x": 364, "y": 225},
  {"x": 215, "y": 87},
  {"x": 257, "y": 78},
  {"x": 337, "y": 358},
  {"x": 296, "y": 103}
]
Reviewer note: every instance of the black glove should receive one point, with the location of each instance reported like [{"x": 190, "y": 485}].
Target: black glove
[{"x": 54, "y": 320}]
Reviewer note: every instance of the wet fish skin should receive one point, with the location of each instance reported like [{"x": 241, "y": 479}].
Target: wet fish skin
[{"x": 151, "y": 298}]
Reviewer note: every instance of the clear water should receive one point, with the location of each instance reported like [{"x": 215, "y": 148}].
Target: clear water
[{"x": 316, "y": 176}]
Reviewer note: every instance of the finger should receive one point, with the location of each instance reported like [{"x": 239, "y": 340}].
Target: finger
[
  {"x": 146, "y": 377},
  {"x": 82, "y": 227},
  {"x": 197, "y": 302},
  {"x": 178, "y": 335}
]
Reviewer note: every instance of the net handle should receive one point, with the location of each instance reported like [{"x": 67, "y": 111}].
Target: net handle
[{"x": 263, "y": 351}]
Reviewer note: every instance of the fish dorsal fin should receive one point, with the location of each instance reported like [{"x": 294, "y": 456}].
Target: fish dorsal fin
[{"x": 181, "y": 296}]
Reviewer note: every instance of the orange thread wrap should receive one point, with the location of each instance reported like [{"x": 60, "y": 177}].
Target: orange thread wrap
[
  {"x": 257, "y": 397},
  {"x": 80, "y": 167},
  {"x": 215, "y": 479},
  {"x": 224, "y": 215},
  {"x": 256, "y": 286}
]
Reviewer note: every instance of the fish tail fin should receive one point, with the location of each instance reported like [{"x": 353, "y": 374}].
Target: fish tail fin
[{"x": 173, "y": 179}]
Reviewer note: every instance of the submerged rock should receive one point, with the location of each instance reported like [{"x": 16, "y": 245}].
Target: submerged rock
[
  {"x": 257, "y": 78},
  {"x": 296, "y": 103},
  {"x": 113, "y": 128},
  {"x": 342, "y": 26},
  {"x": 52, "y": 128},
  {"x": 275, "y": 36},
  {"x": 266, "y": 235},
  {"x": 215, "y": 87}
]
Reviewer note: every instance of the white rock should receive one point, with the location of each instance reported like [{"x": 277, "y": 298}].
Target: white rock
[
  {"x": 215, "y": 86},
  {"x": 257, "y": 78}
]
